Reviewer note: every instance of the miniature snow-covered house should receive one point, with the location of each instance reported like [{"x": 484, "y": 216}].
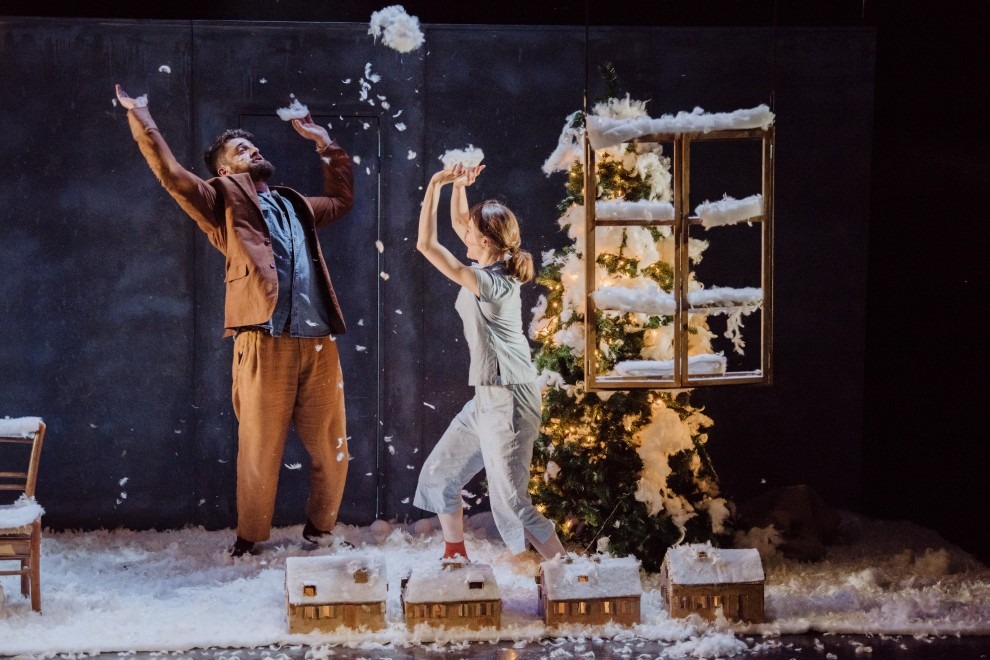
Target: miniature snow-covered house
[
  {"x": 589, "y": 590},
  {"x": 452, "y": 594},
  {"x": 699, "y": 579},
  {"x": 326, "y": 593}
]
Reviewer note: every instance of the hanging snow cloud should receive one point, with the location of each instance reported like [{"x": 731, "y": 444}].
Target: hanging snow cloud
[{"x": 398, "y": 30}]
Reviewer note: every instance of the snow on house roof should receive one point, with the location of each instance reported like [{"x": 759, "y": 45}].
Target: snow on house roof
[
  {"x": 445, "y": 583},
  {"x": 700, "y": 563},
  {"x": 591, "y": 577},
  {"x": 334, "y": 579}
]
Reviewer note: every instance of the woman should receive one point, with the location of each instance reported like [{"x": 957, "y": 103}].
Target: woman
[{"x": 496, "y": 429}]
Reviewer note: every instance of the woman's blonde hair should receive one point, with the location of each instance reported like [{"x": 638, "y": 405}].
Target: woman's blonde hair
[{"x": 498, "y": 224}]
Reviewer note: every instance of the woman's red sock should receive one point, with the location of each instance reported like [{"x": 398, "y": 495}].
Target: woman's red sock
[{"x": 453, "y": 549}]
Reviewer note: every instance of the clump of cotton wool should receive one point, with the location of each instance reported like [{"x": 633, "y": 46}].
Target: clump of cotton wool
[
  {"x": 470, "y": 157},
  {"x": 296, "y": 110},
  {"x": 398, "y": 30}
]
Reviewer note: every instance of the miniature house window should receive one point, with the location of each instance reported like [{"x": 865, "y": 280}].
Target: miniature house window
[
  {"x": 462, "y": 610},
  {"x": 309, "y": 612},
  {"x": 624, "y": 607},
  {"x": 326, "y": 611},
  {"x": 361, "y": 576},
  {"x": 716, "y": 601},
  {"x": 439, "y": 609},
  {"x": 607, "y": 607},
  {"x": 484, "y": 609},
  {"x": 476, "y": 585},
  {"x": 309, "y": 590},
  {"x": 689, "y": 311},
  {"x": 561, "y": 608},
  {"x": 582, "y": 578}
]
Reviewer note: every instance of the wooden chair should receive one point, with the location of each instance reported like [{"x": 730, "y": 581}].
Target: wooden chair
[{"x": 20, "y": 522}]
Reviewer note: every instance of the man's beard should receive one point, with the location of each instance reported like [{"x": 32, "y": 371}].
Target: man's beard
[{"x": 261, "y": 171}]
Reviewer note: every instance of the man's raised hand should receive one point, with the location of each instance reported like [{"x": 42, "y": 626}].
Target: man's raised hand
[
  {"x": 127, "y": 102},
  {"x": 310, "y": 130}
]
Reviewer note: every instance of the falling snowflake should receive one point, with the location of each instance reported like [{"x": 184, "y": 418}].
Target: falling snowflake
[
  {"x": 429, "y": 405},
  {"x": 379, "y": 246},
  {"x": 356, "y": 159},
  {"x": 383, "y": 275},
  {"x": 165, "y": 69},
  {"x": 399, "y": 126},
  {"x": 123, "y": 481},
  {"x": 360, "y": 348},
  {"x": 293, "y": 466},
  {"x": 411, "y": 155},
  {"x": 373, "y": 77}
]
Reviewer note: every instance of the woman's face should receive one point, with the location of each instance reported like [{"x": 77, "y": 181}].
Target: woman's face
[{"x": 477, "y": 245}]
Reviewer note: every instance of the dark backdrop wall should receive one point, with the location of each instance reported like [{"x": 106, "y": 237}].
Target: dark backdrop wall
[{"x": 113, "y": 301}]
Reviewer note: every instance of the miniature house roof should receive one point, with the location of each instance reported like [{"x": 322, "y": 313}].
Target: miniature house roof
[
  {"x": 452, "y": 583},
  {"x": 336, "y": 580},
  {"x": 700, "y": 563},
  {"x": 591, "y": 577}
]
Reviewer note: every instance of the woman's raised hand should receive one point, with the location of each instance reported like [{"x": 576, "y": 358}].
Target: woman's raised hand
[
  {"x": 466, "y": 175},
  {"x": 443, "y": 177}
]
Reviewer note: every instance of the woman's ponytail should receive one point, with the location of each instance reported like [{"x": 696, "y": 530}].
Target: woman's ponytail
[{"x": 520, "y": 265}]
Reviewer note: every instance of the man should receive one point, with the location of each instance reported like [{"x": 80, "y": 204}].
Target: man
[{"x": 280, "y": 307}]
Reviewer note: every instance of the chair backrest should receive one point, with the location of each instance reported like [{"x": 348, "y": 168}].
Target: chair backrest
[{"x": 20, "y": 453}]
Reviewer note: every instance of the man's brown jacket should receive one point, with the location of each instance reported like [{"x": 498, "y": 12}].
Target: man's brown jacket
[{"x": 227, "y": 209}]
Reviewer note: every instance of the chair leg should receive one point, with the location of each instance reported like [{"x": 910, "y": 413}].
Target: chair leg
[
  {"x": 36, "y": 567},
  {"x": 25, "y": 583},
  {"x": 35, "y": 589}
]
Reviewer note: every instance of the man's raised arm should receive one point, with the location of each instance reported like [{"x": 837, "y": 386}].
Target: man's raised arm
[
  {"x": 338, "y": 177},
  {"x": 195, "y": 196}
]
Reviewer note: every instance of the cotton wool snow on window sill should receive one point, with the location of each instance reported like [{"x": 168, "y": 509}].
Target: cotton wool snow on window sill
[{"x": 604, "y": 132}]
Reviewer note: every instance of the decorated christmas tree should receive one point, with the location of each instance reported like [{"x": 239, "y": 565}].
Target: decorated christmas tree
[{"x": 625, "y": 471}]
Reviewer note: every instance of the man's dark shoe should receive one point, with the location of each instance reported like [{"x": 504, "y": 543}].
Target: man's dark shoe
[
  {"x": 323, "y": 539},
  {"x": 242, "y": 547}
]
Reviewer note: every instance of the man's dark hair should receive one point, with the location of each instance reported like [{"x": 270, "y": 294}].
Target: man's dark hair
[{"x": 212, "y": 155}]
